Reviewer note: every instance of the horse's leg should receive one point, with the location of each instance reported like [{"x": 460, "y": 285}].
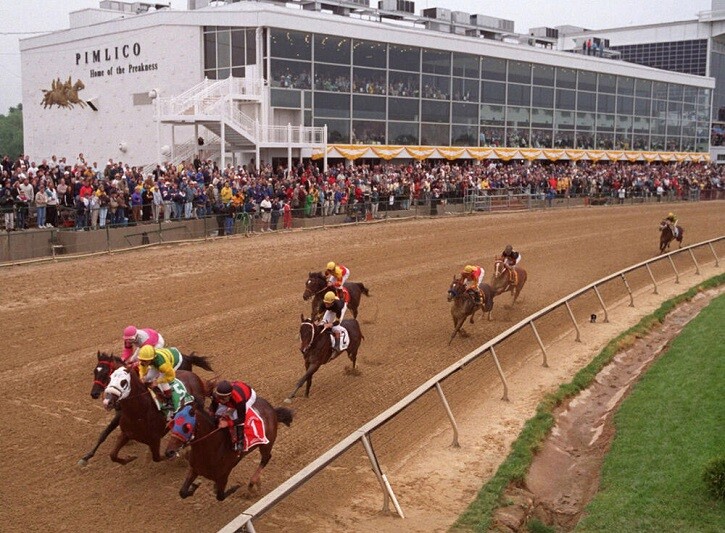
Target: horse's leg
[
  {"x": 189, "y": 487},
  {"x": 113, "y": 424},
  {"x": 155, "y": 448},
  {"x": 221, "y": 484},
  {"x": 120, "y": 443},
  {"x": 266, "y": 452},
  {"x": 311, "y": 369},
  {"x": 458, "y": 325}
]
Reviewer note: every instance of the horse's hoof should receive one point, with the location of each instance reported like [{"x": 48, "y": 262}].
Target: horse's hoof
[
  {"x": 83, "y": 462},
  {"x": 288, "y": 400}
]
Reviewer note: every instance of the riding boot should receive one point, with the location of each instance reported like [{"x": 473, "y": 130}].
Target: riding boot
[{"x": 239, "y": 445}]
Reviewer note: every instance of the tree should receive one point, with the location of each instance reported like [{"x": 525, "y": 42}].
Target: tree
[{"x": 11, "y": 132}]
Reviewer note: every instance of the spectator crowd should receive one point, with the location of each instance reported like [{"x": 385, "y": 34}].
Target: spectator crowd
[{"x": 82, "y": 195}]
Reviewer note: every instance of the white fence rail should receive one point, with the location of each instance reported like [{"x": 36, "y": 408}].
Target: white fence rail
[{"x": 244, "y": 521}]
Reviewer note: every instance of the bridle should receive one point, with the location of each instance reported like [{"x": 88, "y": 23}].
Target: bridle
[
  {"x": 311, "y": 293},
  {"x": 312, "y": 337},
  {"x": 111, "y": 364}
]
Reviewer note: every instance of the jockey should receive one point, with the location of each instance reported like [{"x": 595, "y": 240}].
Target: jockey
[
  {"x": 157, "y": 368},
  {"x": 336, "y": 276},
  {"x": 473, "y": 276},
  {"x": 230, "y": 401},
  {"x": 511, "y": 258},
  {"x": 134, "y": 338},
  {"x": 333, "y": 310},
  {"x": 671, "y": 220}
]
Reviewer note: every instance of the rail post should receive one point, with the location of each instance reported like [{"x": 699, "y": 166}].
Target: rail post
[
  {"x": 654, "y": 282},
  {"x": 677, "y": 274},
  {"x": 500, "y": 373},
  {"x": 541, "y": 344},
  {"x": 387, "y": 489},
  {"x": 601, "y": 301},
  {"x": 447, "y": 407},
  {"x": 576, "y": 326},
  {"x": 631, "y": 296},
  {"x": 697, "y": 267},
  {"x": 717, "y": 261}
]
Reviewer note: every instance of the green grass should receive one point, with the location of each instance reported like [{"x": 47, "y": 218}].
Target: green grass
[
  {"x": 667, "y": 430},
  {"x": 514, "y": 468}
]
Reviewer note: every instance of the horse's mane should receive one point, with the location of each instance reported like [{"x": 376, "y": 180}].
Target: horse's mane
[{"x": 318, "y": 275}]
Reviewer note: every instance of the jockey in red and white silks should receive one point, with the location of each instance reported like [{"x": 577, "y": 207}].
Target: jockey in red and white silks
[
  {"x": 336, "y": 274},
  {"x": 134, "y": 338}
]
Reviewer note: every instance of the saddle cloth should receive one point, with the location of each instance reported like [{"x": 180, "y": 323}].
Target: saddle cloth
[
  {"x": 344, "y": 339},
  {"x": 254, "y": 431}
]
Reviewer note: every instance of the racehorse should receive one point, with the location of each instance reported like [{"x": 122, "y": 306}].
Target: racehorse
[
  {"x": 316, "y": 347},
  {"x": 666, "y": 236},
  {"x": 317, "y": 285},
  {"x": 141, "y": 419},
  {"x": 465, "y": 305},
  {"x": 212, "y": 452},
  {"x": 107, "y": 363},
  {"x": 502, "y": 281}
]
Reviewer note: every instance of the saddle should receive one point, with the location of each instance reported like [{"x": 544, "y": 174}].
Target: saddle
[
  {"x": 343, "y": 294},
  {"x": 254, "y": 430}
]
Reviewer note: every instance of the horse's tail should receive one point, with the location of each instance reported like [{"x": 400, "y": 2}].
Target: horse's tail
[
  {"x": 284, "y": 415},
  {"x": 363, "y": 289},
  {"x": 199, "y": 360}
]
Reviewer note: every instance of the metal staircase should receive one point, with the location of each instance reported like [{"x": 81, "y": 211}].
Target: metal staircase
[{"x": 231, "y": 109}]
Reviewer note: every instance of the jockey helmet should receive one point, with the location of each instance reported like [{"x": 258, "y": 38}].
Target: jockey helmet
[
  {"x": 223, "y": 388},
  {"x": 469, "y": 269},
  {"x": 129, "y": 333},
  {"x": 331, "y": 265},
  {"x": 670, "y": 215},
  {"x": 146, "y": 353},
  {"x": 329, "y": 297},
  {"x": 508, "y": 249}
]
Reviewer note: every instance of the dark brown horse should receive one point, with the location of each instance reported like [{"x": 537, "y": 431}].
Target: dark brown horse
[
  {"x": 317, "y": 285},
  {"x": 316, "y": 347},
  {"x": 141, "y": 419},
  {"x": 465, "y": 304},
  {"x": 502, "y": 280},
  {"x": 666, "y": 236},
  {"x": 212, "y": 452},
  {"x": 105, "y": 366}
]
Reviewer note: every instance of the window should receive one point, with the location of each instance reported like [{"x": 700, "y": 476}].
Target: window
[
  {"x": 519, "y": 72},
  {"x": 607, "y": 83},
  {"x": 332, "y": 105},
  {"x": 290, "y": 74},
  {"x": 436, "y": 87},
  {"x": 493, "y": 93},
  {"x": 338, "y": 131},
  {"x": 403, "y": 109},
  {"x": 565, "y": 99},
  {"x": 330, "y": 49},
  {"x": 519, "y": 94},
  {"x": 464, "y": 135},
  {"x": 465, "y": 90},
  {"x": 493, "y": 115},
  {"x": 290, "y": 44},
  {"x": 332, "y": 78},
  {"x": 437, "y": 62},
  {"x": 543, "y": 75},
  {"x": 368, "y": 132},
  {"x": 465, "y": 66},
  {"x": 369, "y": 81},
  {"x": 404, "y": 133},
  {"x": 435, "y": 111},
  {"x": 543, "y": 97},
  {"x": 434, "y": 135},
  {"x": 404, "y": 58},
  {"x": 565, "y": 78},
  {"x": 465, "y": 114},
  {"x": 493, "y": 69},
  {"x": 369, "y": 107},
  {"x": 587, "y": 81},
  {"x": 369, "y": 54},
  {"x": 403, "y": 84}
]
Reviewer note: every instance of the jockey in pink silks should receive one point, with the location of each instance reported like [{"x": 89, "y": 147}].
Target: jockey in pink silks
[{"x": 134, "y": 338}]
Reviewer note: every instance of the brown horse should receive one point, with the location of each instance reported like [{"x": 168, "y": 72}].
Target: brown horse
[
  {"x": 666, "y": 236},
  {"x": 141, "y": 419},
  {"x": 465, "y": 304},
  {"x": 317, "y": 285},
  {"x": 105, "y": 366},
  {"x": 316, "y": 347},
  {"x": 502, "y": 280},
  {"x": 212, "y": 452}
]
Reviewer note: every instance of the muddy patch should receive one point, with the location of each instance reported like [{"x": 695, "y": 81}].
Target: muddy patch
[{"x": 565, "y": 474}]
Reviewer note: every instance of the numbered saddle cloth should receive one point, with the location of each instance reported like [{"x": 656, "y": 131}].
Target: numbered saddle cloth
[
  {"x": 254, "y": 430},
  {"x": 344, "y": 339}
]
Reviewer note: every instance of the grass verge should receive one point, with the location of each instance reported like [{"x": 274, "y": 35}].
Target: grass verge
[
  {"x": 668, "y": 429},
  {"x": 514, "y": 468}
]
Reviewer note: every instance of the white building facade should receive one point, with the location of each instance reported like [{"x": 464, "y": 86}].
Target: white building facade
[{"x": 257, "y": 81}]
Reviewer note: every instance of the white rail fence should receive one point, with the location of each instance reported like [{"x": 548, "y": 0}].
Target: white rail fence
[{"x": 244, "y": 521}]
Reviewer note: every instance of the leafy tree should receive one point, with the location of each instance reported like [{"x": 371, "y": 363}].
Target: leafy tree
[{"x": 11, "y": 132}]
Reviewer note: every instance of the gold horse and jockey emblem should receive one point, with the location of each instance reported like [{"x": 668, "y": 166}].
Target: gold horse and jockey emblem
[{"x": 63, "y": 94}]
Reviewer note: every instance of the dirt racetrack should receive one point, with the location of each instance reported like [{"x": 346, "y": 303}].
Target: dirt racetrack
[{"x": 239, "y": 301}]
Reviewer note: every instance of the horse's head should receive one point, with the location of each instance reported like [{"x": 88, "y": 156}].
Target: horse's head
[
  {"x": 499, "y": 267},
  {"x": 102, "y": 373},
  {"x": 308, "y": 332},
  {"x": 315, "y": 284},
  {"x": 663, "y": 225},
  {"x": 182, "y": 431},
  {"x": 455, "y": 288},
  {"x": 79, "y": 85},
  {"x": 119, "y": 387}
]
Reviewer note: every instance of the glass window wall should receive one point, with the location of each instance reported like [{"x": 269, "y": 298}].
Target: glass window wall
[{"x": 404, "y": 58}]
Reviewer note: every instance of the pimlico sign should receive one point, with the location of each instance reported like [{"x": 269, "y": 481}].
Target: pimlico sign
[{"x": 99, "y": 56}]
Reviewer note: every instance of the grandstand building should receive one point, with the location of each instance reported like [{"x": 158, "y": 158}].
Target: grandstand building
[{"x": 242, "y": 82}]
